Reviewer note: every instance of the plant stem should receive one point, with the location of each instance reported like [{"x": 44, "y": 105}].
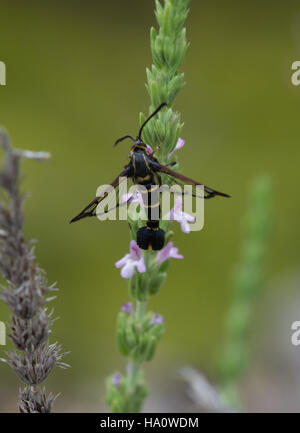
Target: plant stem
[
  {"x": 132, "y": 374},
  {"x": 138, "y": 332},
  {"x": 134, "y": 367},
  {"x": 140, "y": 311},
  {"x": 248, "y": 283}
]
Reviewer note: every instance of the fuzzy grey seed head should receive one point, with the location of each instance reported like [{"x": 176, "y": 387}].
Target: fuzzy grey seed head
[
  {"x": 35, "y": 401},
  {"x": 34, "y": 367},
  {"x": 30, "y": 334},
  {"x": 26, "y": 300}
]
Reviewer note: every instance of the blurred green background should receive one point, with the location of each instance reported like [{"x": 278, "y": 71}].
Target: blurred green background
[{"x": 75, "y": 83}]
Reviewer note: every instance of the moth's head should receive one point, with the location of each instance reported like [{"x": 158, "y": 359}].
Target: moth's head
[{"x": 138, "y": 144}]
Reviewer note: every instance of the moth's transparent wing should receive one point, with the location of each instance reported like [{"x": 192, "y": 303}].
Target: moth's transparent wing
[
  {"x": 90, "y": 209},
  {"x": 185, "y": 189},
  {"x": 106, "y": 209},
  {"x": 182, "y": 180}
]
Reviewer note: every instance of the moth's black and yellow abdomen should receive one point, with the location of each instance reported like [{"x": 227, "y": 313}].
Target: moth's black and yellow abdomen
[{"x": 150, "y": 238}]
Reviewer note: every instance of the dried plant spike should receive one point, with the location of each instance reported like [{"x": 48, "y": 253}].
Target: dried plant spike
[{"x": 26, "y": 290}]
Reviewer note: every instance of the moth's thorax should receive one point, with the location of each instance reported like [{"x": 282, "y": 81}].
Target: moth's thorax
[{"x": 140, "y": 164}]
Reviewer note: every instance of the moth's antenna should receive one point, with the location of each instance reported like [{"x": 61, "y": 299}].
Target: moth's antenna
[
  {"x": 150, "y": 117},
  {"x": 123, "y": 138}
]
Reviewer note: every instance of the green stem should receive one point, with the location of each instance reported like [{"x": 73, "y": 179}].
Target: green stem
[
  {"x": 132, "y": 374},
  {"x": 140, "y": 311},
  {"x": 248, "y": 283},
  {"x": 134, "y": 367}
]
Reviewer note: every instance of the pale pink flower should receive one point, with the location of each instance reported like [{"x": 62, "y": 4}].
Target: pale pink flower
[
  {"x": 132, "y": 197},
  {"x": 156, "y": 319},
  {"x": 149, "y": 149},
  {"x": 116, "y": 379},
  {"x": 134, "y": 259},
  {"x": 127, "y": 307},
  {"x": 177, "y": 214},
  {"x": 179, "y": 145},
  {"x": 169, "y": 251}
]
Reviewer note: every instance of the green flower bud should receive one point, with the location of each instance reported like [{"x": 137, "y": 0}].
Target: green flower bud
[
  {"x": 151, "y": 348},
  {"x": 156, "y": 282},
  {"x": 121, "y": 340}
]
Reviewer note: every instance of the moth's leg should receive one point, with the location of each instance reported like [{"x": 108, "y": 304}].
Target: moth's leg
[{"x": 156, "y": 149}]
